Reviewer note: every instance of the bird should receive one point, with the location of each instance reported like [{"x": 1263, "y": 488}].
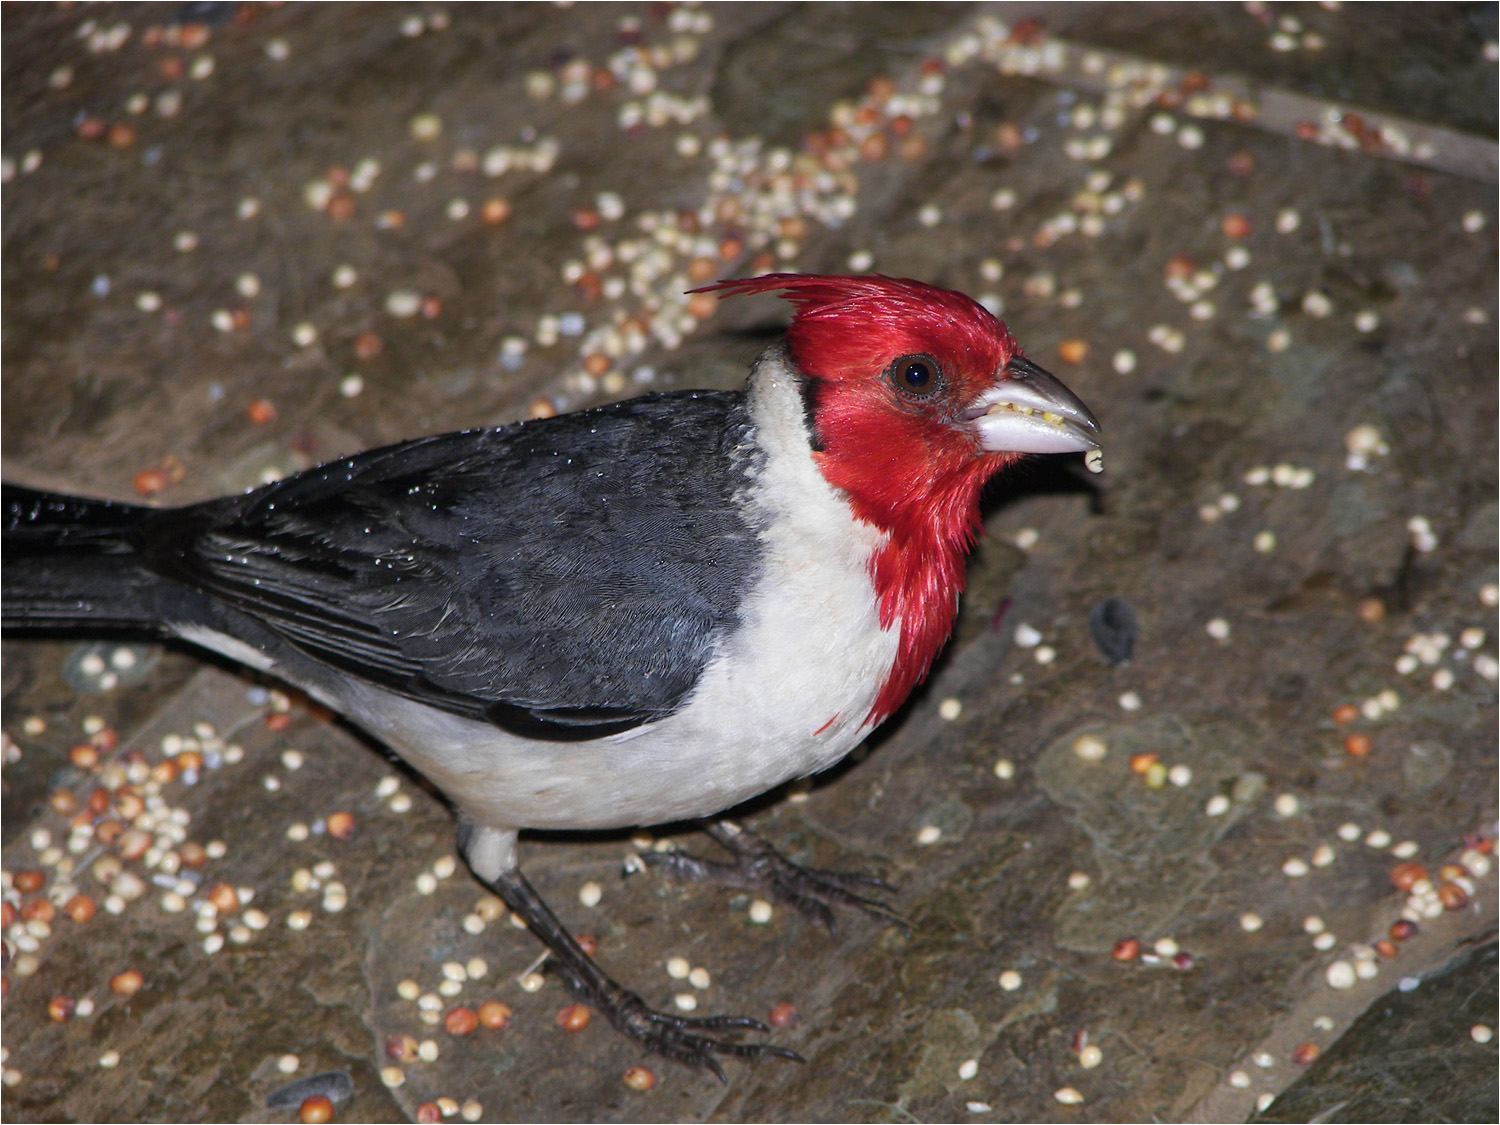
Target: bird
[{"x": 645, "y": 612}]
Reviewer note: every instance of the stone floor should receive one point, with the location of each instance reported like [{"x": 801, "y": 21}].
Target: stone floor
[{"x": 1257, "y": 239}]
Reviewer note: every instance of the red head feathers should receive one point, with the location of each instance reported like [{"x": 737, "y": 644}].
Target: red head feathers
[{"x": 899, "y": 372}]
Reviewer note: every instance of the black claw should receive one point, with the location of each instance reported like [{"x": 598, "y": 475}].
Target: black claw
[{"x": 759, "y": 866}]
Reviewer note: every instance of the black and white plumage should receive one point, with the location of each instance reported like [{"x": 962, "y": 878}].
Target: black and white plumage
[{"x": 642, "y": 613}]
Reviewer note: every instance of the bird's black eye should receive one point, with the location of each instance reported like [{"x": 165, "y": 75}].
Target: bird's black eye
[{"x": 916, "y": 376}]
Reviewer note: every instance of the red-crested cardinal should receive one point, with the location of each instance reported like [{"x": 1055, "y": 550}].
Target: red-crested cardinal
[{"x": 640, "y": 613}]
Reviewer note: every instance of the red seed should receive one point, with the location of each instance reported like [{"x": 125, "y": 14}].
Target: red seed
[
  {"x": 542, "y": 408},
  {"x": 1451, "y": 873},
  {"x": 127, "y": 983},
  {"x": 1307, "y": 130},
  {"x": 278, "y": 721},
  {"x": 99, "y": 801},
  {"x": 80, "y": 908},
  {"x": 315, "y": 1110},
  {"x": 586, "y": 220},
  {"x": 495, "y": 210},
  {"x": 91, "y": 128},
  {"x": 1181, "y": 267},
  {"x": 192, "y": 854},
  {"x": 1403, "y": 929},
  {"x": 107, "y": 738},
  {"x": 1073, "y": 351},
  {"x": 1142, "y": 763},
  {"x": 1359, "y": 745},
  {"x": 262, "y": 411},
  {"x": 1306, "y": 1054},
  {"x": 342, "y": 207},
  {"x": 588, "y": 943},
  {"x": 575, "y": 1017},
  {"x": 85, "y": 755},
  {"x": 784, "y": 1015},
  {"x": 1126, "y": 949},
  {"x": 122, "y": 135},
  {"x": 401, "y": 1047},
  {"x": 461, "y": 1021},
  {"x": 65, "y": 802},
  {"x": 1345, "y": 713},
  {"x": 639, "y": 1078},
  {"x": 1241, "y": 163},
  {"x": 1236, "y": 226},
  {"x": 1453, "y": 897},
  {"x": 1405, "y": 875},
  {"x": 108, "y": 831},
  {"x": 701, "y": 306},
  {"x": 596, "y": 363},
  {"x": 28, "y": 882},
  {"x": 148, "y": 482},
  {"x": 428, "y": 1113},
  {"x": 224, "y": 897},
  {"x": 8, "y": 914},
  {"x": 367, "y": 345},
  {"x": 1183, "y": 960},
  {"x": 40, "y": 909},
  {"x": 494, "y": 1015},
  {"x": 432, "y": 308},
  {"x": 60, "y": 1009},
  {"x": 1387, "y": 948},
  {"x": 1193, "y": 81},
  {"x": 341, "y": 825}
]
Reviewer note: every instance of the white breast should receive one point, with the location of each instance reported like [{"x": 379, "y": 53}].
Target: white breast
[{"x": 788, "y": 695}]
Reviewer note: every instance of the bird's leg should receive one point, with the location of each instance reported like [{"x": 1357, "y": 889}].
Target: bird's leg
[
  {"x": 759, "y": 866},
  {"x": 691, "y": 1041}
]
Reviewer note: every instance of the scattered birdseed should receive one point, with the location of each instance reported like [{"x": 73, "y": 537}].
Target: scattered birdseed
[
  {"x": 426, "y": 883},
  {"x": 760, "y": 912},
  {"x": 590, "y": 894},
  {"x": 1130, "y": 701},
  {"x": 1090, "y": 1056},
  {"x": 1250, "y": 922},
  {"x": 1218, "y": 629},
  {"x": 1481, "y": 1033},
  {"x": 1287, "y": 805},
  {"x": 1078, "y": 880},
  {"x": 1217, "y": 805},
  {"x": 1378, "y": 839},
  {"x": 1341, "y": 975},
  {"x": 1165, "y": 947},
  {"x": 392, "y": 1076},
  {"x": 929, "y": 834},
  {"x": 288, "y": 1064},
  {"x": 950, "y": 709},
  {"x": 1294, "y": 868},
  {"x": 1090, "y": 747},
  {"x": 1068, "y": 1096},
  {"x": 1124, "y": 361},
  {"x": 1010, "y": 980},
  {"x": 1005, "y": 769},
  {"x": 686, "y": 1001},
  {"x": 1026, "y": 636},
  {"x": 968, "y": 1069},
  {"x": 1045, "y": 654},
  {"x": 109, "y": 1060},
  {"x": 1239, "y": 1079}
]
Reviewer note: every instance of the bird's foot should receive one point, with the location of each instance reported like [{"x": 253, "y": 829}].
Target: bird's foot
[
  {"x": 692, "y": 1041},
  {"x": 759, "y": 866}
]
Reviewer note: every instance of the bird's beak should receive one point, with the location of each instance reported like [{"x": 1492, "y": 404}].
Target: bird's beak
[{"x": 1030, "y": 411}]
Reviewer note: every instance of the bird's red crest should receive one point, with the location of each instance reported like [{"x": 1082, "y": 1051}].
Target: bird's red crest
[{"x": 909, "y": 470}]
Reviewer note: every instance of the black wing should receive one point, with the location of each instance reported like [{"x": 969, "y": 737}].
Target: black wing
[{"x": 566, "y": 577}]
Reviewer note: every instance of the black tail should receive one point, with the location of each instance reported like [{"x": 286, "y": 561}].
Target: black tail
[{"x": 69, "y": 561}]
